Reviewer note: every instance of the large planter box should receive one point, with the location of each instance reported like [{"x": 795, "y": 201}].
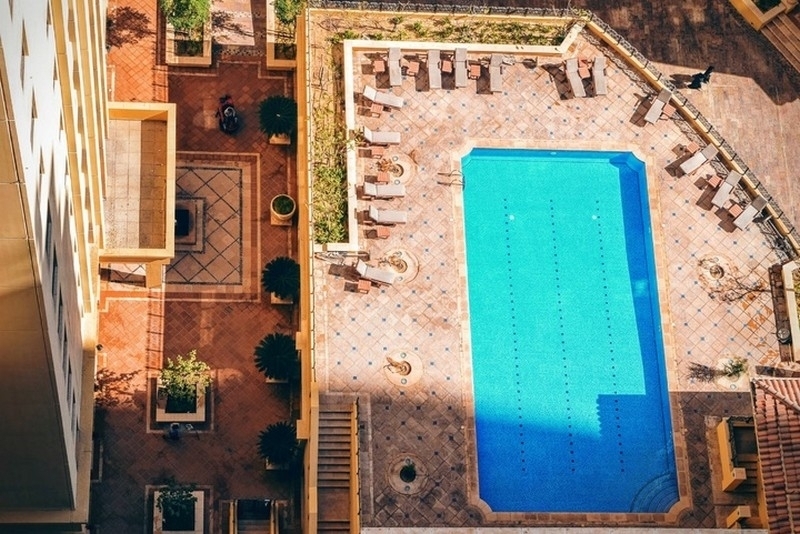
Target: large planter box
[
  {"x": 178, "y": 46},
  {"x": 199, "y": 516},
  {"x": 196, "y": 416},
  {"x": 280, "y": 54}
]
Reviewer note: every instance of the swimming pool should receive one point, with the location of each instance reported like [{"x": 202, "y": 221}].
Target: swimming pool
[{"x": 571, "y": 403}]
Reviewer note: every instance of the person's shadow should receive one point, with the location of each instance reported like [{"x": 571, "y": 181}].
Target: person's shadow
[{"x": 681, "y": 81}]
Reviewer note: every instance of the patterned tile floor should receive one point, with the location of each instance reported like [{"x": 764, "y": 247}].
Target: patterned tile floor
[
  {"x": 432, "y": 419},
  {"x": 752, "y": 100}
]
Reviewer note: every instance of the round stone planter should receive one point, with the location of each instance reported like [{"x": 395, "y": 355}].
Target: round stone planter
[{"x": 281, "y": 209}]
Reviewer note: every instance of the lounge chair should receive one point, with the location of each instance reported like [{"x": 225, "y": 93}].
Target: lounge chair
[
  {"x": 725, "y": 189},
  {"x": 388, "y": 217},
  {"x": 373, "y": 190},
  {"x": 694, "y": 163},
  {"x": 382, "y": 98},
  {"x": 381, "y": 138},
  {"x": 496, "y": 73},
  {"x": 599, "y": 75},
  {"x": 749, "y": 213},
  {"x": 460, "y": 67},
  {"x": 373, "y": 274},
  {"x": 574, "y": 79},
  {"x": 657, "y": 106},
  {"x": 395, "y": 73},
  {"x": 434, "y": 71}
]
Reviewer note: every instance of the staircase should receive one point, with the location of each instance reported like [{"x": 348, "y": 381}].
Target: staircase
[
  {"x": 334, "y": 467},
  {"x": 784, "y": 33}
]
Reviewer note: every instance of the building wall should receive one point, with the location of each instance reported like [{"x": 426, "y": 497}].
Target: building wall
[{"x": 52, "y": 131}]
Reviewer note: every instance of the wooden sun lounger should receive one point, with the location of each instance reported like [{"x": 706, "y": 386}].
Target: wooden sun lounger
[
  {"x": 373, "y": 274},
  {"x": 725, "y": 189},
  {"x": 385, "y": 99},
  {"x": 599, "y": 75},
  {"x": 434, "y": 71},
  {"x": 749, "y": 213},
  {"x": 373, "y": 190},
  {"x": 657, "y": 106},
  {"x": 574, "y": 79},
  {"x": 381, "y": 138},
  {"x": 388, "y": 217},
  {"x": 694, "y": 163},
  {"x": 395, "y": 72},
  {"x": 496, "y": 73},
  {"x": 460, "y": 67}
]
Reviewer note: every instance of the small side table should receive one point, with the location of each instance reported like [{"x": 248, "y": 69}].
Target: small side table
[
  {"x": 714, "y": 181},
  {"x": 735, "y": 210},
  {"x": 382, "y": 178},
  {"x": 363, "y": 286}
]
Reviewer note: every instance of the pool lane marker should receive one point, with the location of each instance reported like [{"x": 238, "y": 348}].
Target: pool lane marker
[
  {"x": 562, "y": 333},
  {"x": 518, "y": 385},
  {"x": 612, "y": 364}
]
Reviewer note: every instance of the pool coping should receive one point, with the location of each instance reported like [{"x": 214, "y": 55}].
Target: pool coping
[{"x": 653, "y": 173}]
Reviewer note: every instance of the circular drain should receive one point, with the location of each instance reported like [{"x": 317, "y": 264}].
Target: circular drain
[
  {"x": 403, "y": 368},
  {"x": 407, "y": 475}
]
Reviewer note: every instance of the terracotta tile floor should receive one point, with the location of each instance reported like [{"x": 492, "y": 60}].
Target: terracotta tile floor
[{"x": 752, "y": 100}]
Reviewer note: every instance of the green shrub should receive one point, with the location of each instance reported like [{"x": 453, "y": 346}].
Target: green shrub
[{"x": 186, "y": 15}]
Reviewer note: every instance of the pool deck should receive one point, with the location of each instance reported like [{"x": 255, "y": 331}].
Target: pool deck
[
  {"x": 752, "y": 100},
  {"x": 422, "y": 317}
]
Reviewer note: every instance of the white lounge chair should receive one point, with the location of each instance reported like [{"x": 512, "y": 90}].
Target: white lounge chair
[
  {"x": 725, "y": 189},
  {"x": 694, "y": 163},
  {"x": 657, "y": 106},
  {"x": 496, "y": 73},
  {"x": 373, "y": 274},
  {"x": 434, "y": 72},
  {"x": 749, "y": 213},
  {"x": 385, "y": 99},
  {"x": 599, "y": 76},
  {"x": 460, "y": 67},
  {"x": 388, "y": 217},
  {"x": 381, "y": 138},
  {"x": 373, "y": 190},
  {"x": 574, "y": 79},
  {"x": 395, "y": 71}
]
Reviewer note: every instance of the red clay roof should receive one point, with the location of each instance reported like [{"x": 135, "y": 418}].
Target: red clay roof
[{"x": 777, "y": 414}]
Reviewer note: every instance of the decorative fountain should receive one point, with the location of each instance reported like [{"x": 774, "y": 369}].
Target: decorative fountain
[{"x": 403, "y": 368}]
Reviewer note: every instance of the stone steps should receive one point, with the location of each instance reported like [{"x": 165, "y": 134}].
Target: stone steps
[
  {"x": 334, "y": 465},
  {"x": 784, "y": 34}
]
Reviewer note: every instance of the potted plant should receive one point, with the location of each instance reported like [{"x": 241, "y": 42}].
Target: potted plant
[
  {"x": 276, "y": 357},
  {"x": 282, "y": 208},
  {"x": 281, "y": 277},
  {"x": 176, "y": 508},
  {"x": 277, "y": 117},
  {"x": 188, "y": 31},
  {"x": 278, "y": 445},
  {"x": 181, "y": 387}
]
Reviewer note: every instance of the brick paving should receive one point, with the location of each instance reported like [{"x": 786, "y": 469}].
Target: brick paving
[
  {"x": 139, "y": 328},
  {"x": 752, "y": 101}
]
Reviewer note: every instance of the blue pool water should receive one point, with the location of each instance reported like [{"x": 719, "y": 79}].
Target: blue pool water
[{"x": 571, "y": 404}]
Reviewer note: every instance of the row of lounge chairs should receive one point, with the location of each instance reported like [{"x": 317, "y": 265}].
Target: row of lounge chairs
[
  {"x": 455, "y": 63},
  {"x": 577, "y": 70}
]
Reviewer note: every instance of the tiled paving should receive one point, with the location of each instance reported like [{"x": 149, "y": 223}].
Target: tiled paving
[
  {"x": 218, "y": 308},
  {"x": 752, "y": 100},
  {"x": 432, "y": 419}
]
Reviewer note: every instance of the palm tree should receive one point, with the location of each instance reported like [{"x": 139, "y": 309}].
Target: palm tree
[
  {"x": 276, "y": 357},
  {"x": 277, "y": 444},
  {"x": 278, "y": 116},
  {"x": 282, "y": 277}
]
